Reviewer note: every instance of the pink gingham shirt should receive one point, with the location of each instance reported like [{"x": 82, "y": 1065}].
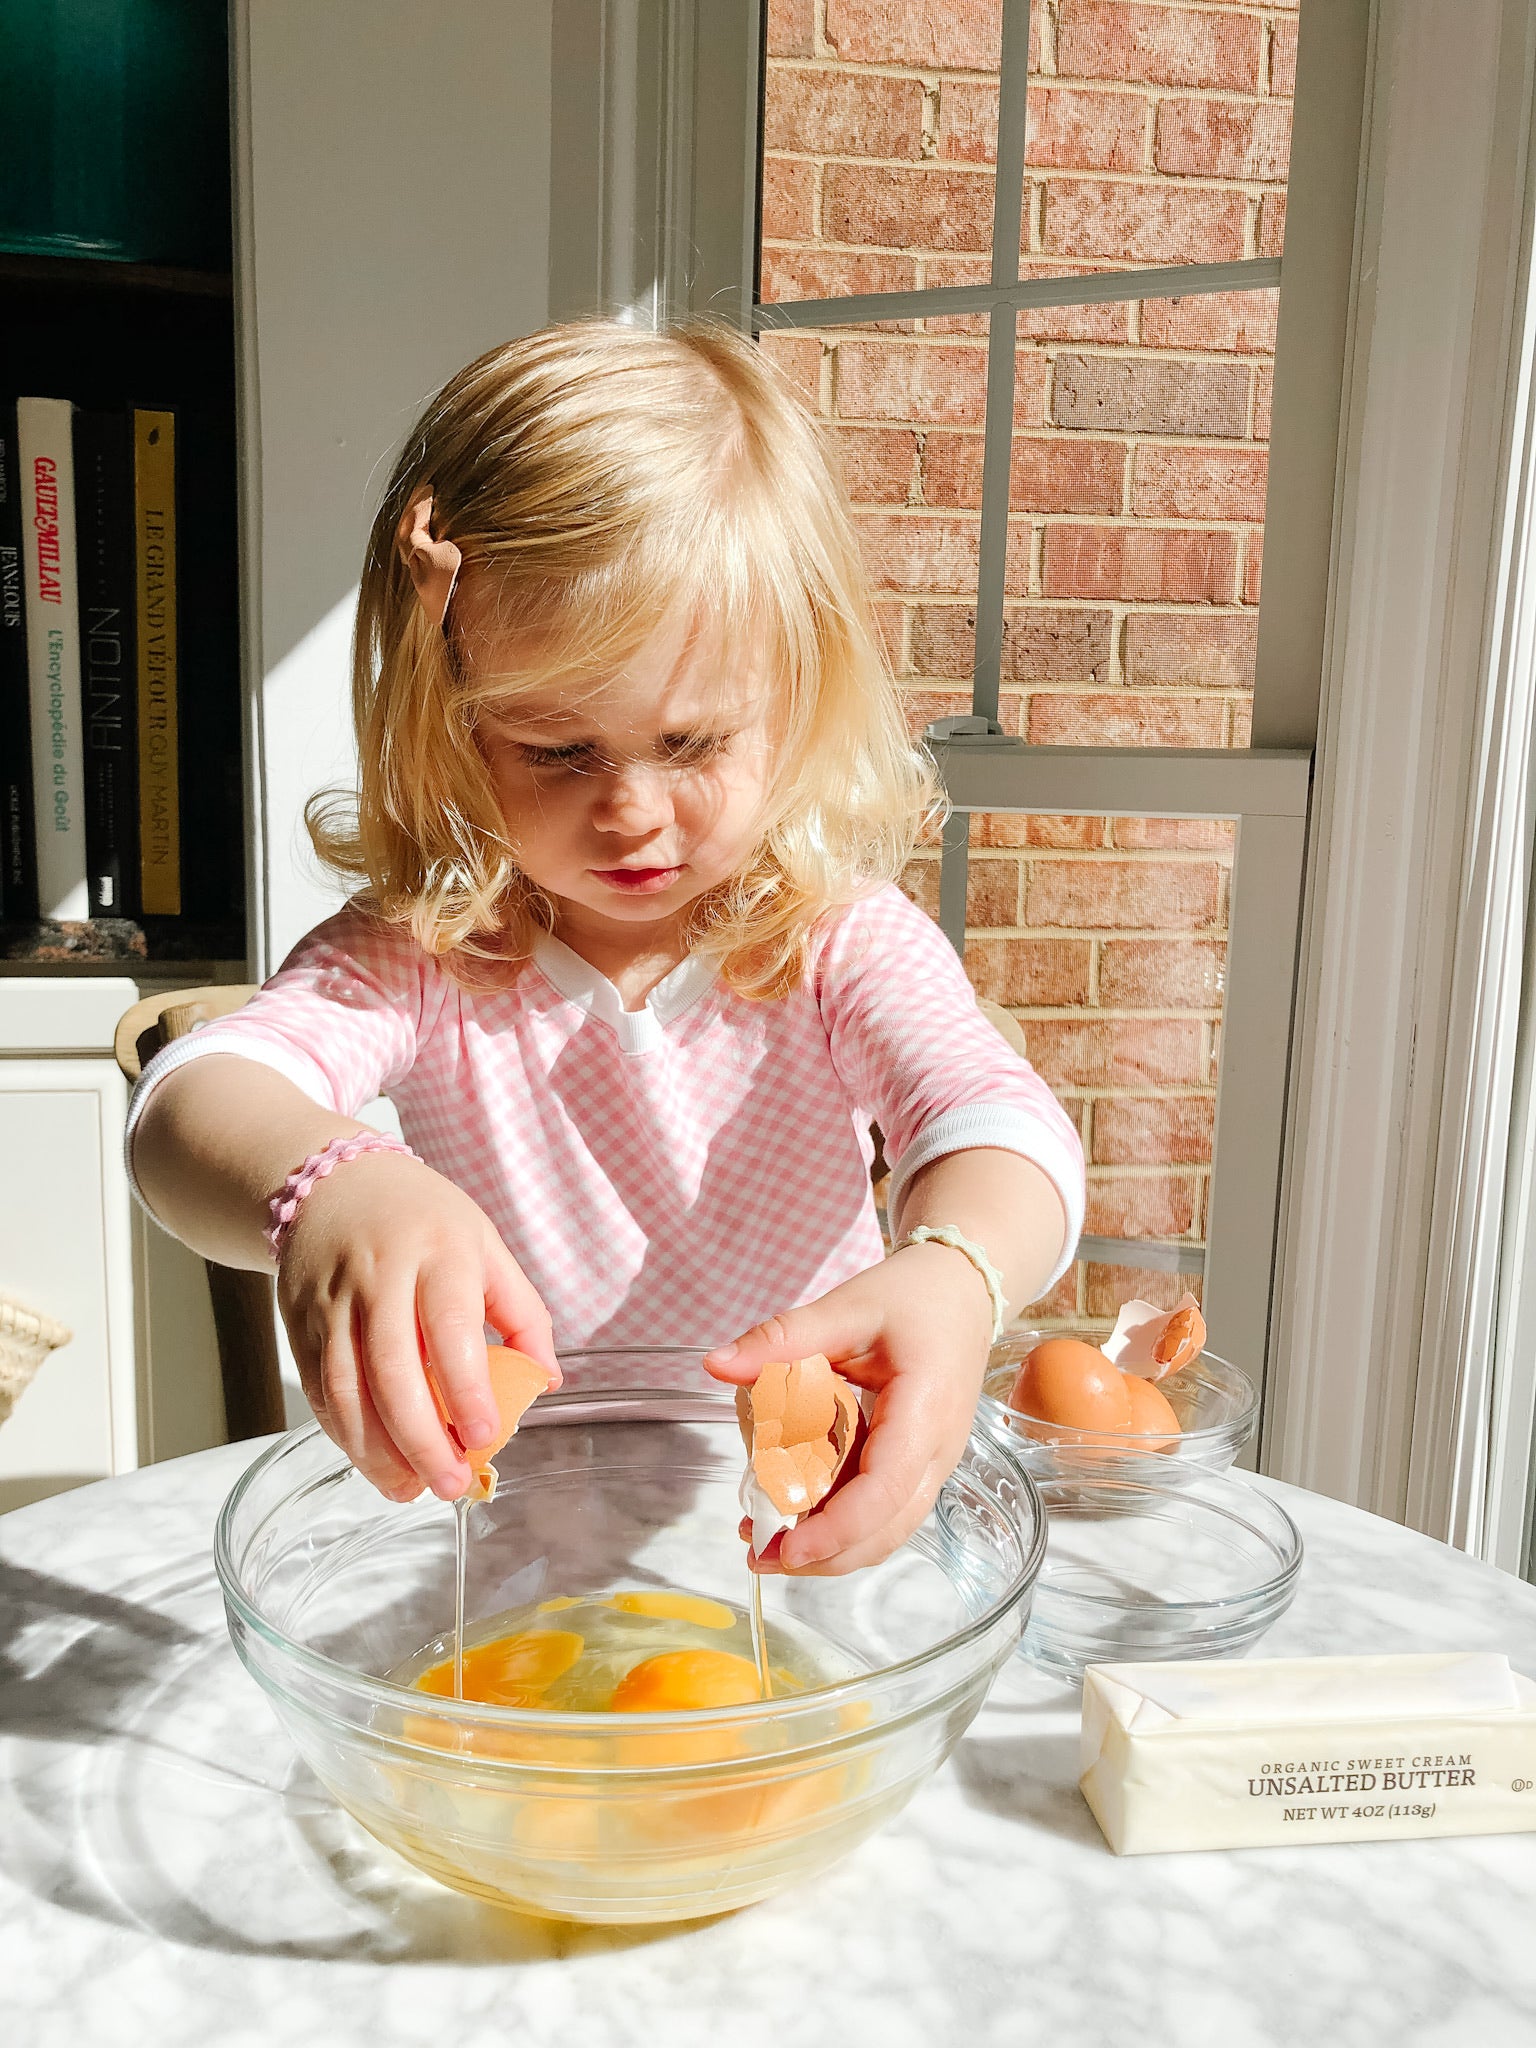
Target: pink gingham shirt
[{"x": 668, "y": 1175}]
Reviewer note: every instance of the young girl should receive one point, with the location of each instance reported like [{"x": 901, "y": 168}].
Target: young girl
[{"x": 626, "y": 954}]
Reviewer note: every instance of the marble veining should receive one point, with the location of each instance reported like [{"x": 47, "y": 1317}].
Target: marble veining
[{"x": 169, "y": 1874}]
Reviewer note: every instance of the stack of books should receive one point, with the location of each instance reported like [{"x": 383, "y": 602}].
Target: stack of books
[{"x": 93, "y": 741}]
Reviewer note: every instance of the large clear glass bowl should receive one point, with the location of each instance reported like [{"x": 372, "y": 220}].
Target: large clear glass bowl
[
  {"x": 616, "y": 1817},
  {"x": 1217, "y": 1406},
  {"x": 1136, "y": 1573}
]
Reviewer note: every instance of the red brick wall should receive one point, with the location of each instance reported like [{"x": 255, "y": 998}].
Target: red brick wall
[{"x": 1158, "y": 133}]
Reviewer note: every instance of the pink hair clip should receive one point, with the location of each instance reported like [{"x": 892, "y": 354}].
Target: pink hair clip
[{"x": 284, "y": 1205}]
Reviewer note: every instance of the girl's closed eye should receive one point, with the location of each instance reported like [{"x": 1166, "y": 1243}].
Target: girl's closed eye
[
  {"x": 688, "y": 749},
  {"x": 579, "y": 755},
  {"x": 677, "y": 750}
]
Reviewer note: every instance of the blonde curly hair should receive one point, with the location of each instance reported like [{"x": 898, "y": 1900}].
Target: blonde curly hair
[{"x": 597, "y": 479}]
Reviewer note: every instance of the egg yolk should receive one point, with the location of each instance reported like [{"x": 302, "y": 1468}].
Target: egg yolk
[
  {"x": 512, "y": 1671},
  {"x": 680, "y": 1681},
  {"x": 664, "y": 1606}
]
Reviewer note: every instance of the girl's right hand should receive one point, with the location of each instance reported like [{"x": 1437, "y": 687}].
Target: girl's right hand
[{"x": 388, "y": 1266}]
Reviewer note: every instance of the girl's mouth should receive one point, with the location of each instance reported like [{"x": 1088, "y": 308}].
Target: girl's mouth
[{"x": 638, "y": 881}]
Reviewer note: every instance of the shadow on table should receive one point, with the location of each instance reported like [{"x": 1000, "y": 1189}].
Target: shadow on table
[
  {"x": 159, "y": 1834},
  {"x": 1031, "y": 1779}
]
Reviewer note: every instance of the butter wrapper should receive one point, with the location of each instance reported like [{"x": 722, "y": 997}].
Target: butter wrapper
[{"x": 1307, "y": 1749}]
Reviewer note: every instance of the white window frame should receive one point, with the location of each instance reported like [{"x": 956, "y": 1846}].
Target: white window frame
[
  {"x": 1385, "y": 1291},
  {"x": 1263, "y": 789},
  {"x": 1405, "y": 1338}
]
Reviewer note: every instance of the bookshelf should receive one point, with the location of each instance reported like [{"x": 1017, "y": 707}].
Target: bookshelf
[
  {"x": 352, "y": 293},
  {"x": 130, "y": 306},
  {"x": 108, "y": 336}
]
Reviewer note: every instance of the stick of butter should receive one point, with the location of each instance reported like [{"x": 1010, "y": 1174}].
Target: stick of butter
[{"x": 1307, "y": 1749}]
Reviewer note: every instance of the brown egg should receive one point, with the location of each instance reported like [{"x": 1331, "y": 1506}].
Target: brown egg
[
  {"x": 1152, "y": 1414},
  {"x": 1073, "y": 1385}
]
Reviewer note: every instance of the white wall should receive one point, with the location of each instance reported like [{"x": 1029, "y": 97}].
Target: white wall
[{"x": 393, "y": 166}]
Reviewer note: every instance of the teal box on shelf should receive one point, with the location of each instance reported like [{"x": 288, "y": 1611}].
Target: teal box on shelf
[{"x": 114, "y": 130}]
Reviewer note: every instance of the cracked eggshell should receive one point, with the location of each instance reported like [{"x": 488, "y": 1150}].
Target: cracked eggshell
[
  {"x": 1152, "y": 1342},
  {"x": 516, "y": 1383},
  {"x": 800, "y": 1423}
]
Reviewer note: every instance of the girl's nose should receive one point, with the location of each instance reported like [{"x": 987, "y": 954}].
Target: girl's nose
[{"x": 637, "y": 799}]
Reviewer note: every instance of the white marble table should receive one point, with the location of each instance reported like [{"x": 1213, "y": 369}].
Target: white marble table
[{"x": 169, "y": 1875}]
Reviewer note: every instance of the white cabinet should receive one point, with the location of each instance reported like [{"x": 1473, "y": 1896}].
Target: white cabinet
[{"x": 65, "y": 1235}]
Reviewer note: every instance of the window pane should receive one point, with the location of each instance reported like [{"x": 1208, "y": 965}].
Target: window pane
[
  {"x": 1158, "y": 134},
  {"x": 1136, "y": 528},
  {"x": 882, "y": 393},
  {"x": 1106, "y": 939},
  {"x": 880, "y": 129}
]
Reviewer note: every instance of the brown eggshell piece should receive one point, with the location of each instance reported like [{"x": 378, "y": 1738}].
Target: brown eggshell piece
[
  {"x": 800, "y": 1422},
  {"x": 516, "y": 1383},
  {"x": 1182, "y": 1341},
  {"x": 1153, "y": 1342},
  {"x": 1152, "y": 1414},
  {"x": 1072, "y": 1385}
]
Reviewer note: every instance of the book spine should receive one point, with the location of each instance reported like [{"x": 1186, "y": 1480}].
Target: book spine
[
  {"x": 108, "y": 671},
  {"x": 53, "y": 653},
  {"x": 154, "y": 527},
  {"x": 18, "y": 867}
]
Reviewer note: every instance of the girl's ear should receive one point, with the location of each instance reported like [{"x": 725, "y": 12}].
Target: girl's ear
[{"x": 434, "y": 565}]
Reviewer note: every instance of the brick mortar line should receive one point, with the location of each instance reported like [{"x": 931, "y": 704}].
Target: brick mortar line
[
  {"x": 1074, "y": 1091},
  {"x": 1067, "y": 1013},
  {"x": 1061, "y": 273},
  {"x": 1150, "y": 607},
  {"x": 1111, "y": 933},
  {"x": 903, "y": 324},
  {"x": 1185, "y": 523},
  {"x": 932, "y": 79},
  {"x": 1069, "y": 437},
  {"x": 1186, "y": 181},
  {"x": 1195, "y": 1170},
  {"x": 1088, "y": 856},
  {"x": 1165, "y": 694},
  {"x": 1107, "y": 351},
  {"x": 1108, "y": 933},
  {"x": 830, "y": 64}
]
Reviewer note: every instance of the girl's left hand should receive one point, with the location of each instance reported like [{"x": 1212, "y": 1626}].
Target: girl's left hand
[{"x": 916, "y": 1330}]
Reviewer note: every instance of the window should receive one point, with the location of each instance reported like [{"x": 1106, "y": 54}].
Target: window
[{"x": 1026, "y": 264}]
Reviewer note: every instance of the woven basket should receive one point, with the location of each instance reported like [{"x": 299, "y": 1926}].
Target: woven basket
[{"x": 26, "y": 1338}]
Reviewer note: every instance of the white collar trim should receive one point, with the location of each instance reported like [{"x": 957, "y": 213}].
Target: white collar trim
[{"x": 636, "y": 1030}]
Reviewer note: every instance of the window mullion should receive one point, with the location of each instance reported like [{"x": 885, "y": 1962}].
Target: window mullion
[
  {"x": 1012, "y": 121},
  {"x": 1007, "y": 220}
]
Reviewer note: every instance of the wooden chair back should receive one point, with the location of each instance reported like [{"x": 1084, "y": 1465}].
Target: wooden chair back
[{"x": 244, "y": 1304}]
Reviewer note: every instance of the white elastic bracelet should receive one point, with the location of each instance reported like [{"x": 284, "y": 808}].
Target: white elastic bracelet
[{"x": 946, "y": 1233}]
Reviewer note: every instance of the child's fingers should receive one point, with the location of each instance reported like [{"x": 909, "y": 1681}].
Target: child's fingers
[
  {"x": 841, "y": 1325},
  {"x": 397, "y": 1381},
  {"x": 400, "y": 1483},
  {"x": 349, "y": 1418},
  {"x": 882, "y": 1541},
  {"x": 911, "y": 1433},
  {"x": 513, "y": 1306},
  {"x": 450, "y": 1306}
]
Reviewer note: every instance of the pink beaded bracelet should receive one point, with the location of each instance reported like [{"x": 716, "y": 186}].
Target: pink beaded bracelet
[{"x": 284, "y": 1205}]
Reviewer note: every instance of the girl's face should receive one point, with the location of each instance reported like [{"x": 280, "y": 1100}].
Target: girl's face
[{"x": 626, "y": 802}]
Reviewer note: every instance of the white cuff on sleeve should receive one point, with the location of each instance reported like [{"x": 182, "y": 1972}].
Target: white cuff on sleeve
[
  {"x": 1009, "y": 1130},
  {"x": 199, "y": 1044}
]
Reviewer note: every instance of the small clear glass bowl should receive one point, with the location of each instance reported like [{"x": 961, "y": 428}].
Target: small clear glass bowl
[
  {"x": 1135, "y": 1573},
  {"x": 1216, "y": 1403},
  {"x": 616, "y": 1817}
]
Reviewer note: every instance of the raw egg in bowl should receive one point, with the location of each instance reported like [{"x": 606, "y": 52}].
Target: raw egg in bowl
[{"x": 619, "y": 1763}]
